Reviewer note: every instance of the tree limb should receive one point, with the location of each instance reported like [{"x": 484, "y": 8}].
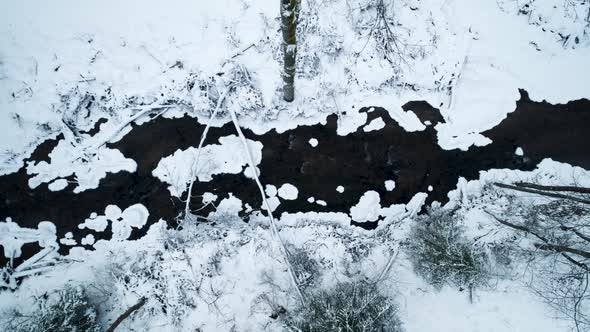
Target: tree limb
[
  {"x": 543, "y": 193},
  {"x": 126, "y": 314},
  {"x": 547, "y": 245},
  {"x": 560, "y": 249},
  {"x": 580, "y": 190}
]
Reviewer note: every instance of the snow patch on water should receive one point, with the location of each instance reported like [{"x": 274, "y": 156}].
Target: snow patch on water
[
  {"x": 288, "y": 191},
  {"x": 375, "y": 124},
  {"x": 226, "y": 157}
]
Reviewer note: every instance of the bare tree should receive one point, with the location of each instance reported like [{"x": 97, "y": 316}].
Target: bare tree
[
  {"x": 557, "y": 246},
  {"x": 289, "y": 16}
]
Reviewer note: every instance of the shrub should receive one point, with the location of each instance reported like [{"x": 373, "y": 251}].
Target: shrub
[
  {"x": 347, "y": 307},
  {"x": 441, "y": 254},
  {"x": 305, "y": 267},
  {"x": 65, "y": 310}
]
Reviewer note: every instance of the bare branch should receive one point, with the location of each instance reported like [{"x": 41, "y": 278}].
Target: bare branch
[
  {"x": 547, "y": 246},
  {"x": 543, "y": 193},
  {"x": 126, "y": 314},
  {"x": 580, "y": 190}
]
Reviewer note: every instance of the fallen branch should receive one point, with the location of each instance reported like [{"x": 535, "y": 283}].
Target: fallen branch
[
  {"x": 145, "y": 109},
  {"x": 196, "y": 162},
  {"x": 126, "y": 314},
  {"x": 543, "y": 193},
  {"x": 560, "y": 249},
  {"x": 273, "y": 227},
  {"x": 547, "y": 245},
  {"x": 580, "y": 190},
  {"x": 388, "y": 266}
]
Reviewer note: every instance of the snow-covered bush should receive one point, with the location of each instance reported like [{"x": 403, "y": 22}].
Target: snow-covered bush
[
  {"x": 65, "y": 310},
  {"x": 553, "y": 240},
  {"x": 347, "y": 307},
  {"x": 305, "y": 267},
  {"x": 441, "y": 253},
  {"x": 171, "y": 292}
]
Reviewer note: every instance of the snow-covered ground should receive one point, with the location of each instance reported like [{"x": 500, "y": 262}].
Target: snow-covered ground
[{"x": 66, "y": 64}]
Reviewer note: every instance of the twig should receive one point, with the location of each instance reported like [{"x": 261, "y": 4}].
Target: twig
[
  {"x": 543, "y": 193},
  {"x": 126, "y": 314}
]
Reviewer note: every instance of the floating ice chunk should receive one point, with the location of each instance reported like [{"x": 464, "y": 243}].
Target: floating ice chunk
[
  {"x": 311, "y": 199},
  {"x": 389, "y": 185},
  {"x": 340, "y": 189},
  {"x": 112, "y": 212},
  {"x": 122, "y": 222},
  {"x": 519, "y": 151},
  {"x": 88, "y": 240},
  {"x": 274, "y": 203},
  {"x": 321, "y": 202},
  {"x": 375, "y": 124},
  {"x": 68, "y": 241},
  {"x": 313, "y": 142},
  {"x": 368, "y": 207},
  {"x": 228, "y": 156},
  {"x": 58, "y": 185},
  {"x": 288, "y": 191},
  {"x": 430, "y": 188},
  {"x": 270, "y": 190},
  {"x": 209, "y": 198},
  {"x": 136, "y": 215},
  {"x": 95, "y": 223}
]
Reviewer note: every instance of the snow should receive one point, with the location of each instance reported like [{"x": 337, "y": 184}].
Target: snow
[
  {"x": 209, "y": 198},
  {"x": 95, "y": 222},
  {"x": 13, "y": 237},
  {"x": 88, "y": 240},
  {"x": 273, "y": 202},
  {"x": 66, "y": 161},
  {"x": 68, "y": 239},
  {"x": 226, "y": 157},
  {"x": 467, "y": 58},
  {"x": 367, "y": 208},
  {"x": 416, "y": 203},
  {"x": 122, "y": 222},
  {"x": 498, "y": 61},
  {"x": 456, "y": 45},
  {"x": 375, "y": 124},
  {"x": 288, "y": 191},
  {"x": 58, "y": 185},
  {"x": 270, "y": 190},
  {"x": 389, "y": 185}
]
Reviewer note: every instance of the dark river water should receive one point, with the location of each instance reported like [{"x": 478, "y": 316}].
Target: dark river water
[{"x": 359, "y": 162}]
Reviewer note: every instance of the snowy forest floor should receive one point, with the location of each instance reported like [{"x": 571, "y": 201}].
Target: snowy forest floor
[{"x": 403, "y": 108}]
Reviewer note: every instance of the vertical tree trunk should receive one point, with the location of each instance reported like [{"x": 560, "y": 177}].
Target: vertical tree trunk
[{"x": 289, "y": 11}]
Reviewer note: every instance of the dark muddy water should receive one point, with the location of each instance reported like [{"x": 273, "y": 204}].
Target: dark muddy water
[{"x": 359, "y": 162}]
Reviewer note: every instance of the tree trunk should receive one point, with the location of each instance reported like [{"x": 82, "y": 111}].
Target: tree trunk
[{"x": 289, "y": 13}]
